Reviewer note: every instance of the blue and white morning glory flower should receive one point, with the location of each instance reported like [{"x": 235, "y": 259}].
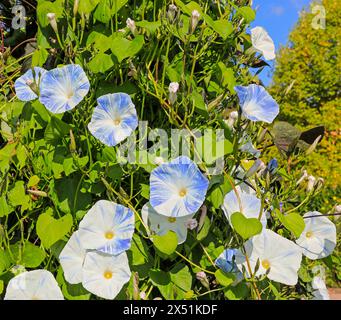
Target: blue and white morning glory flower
[
  {"x": 278, "y": 256},
  {"x": 160, "y": 224},
  {"x": 114, "y": 119},
  {"x": 72, "y": 258},
  {"x": 27, "y": 86},
  {"x": 107, "y": 227},
  {"x": 318, "y": 240},
  {"x": 62, "y": 89},
  {"x": 256, "y": 103},
  {"x": 247, "y": 204},
  {"x": 105, "y": 275},
  {"x": 33, "y": 285},
  {"x": 177, "y": 188},
  {"x": 320, "y": 289},
  {"x": 262, "y": 42},
  {"x": 226, "y": 262}
]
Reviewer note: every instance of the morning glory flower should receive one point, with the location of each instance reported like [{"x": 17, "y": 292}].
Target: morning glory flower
[
  {"x": 33, "y": 285},
  {"x": 256, "y": 103},
  {"x": 72, "y": 258},
  {"x": 277, "y": 255},
  {"x": 262, "y": 42},
  {"x": 114, "y": 119},
  {"x": 318, "y": 239},
  {"x": 29, "y": 80},
  {"x": 247, "y": 204},
  {"x": 107, "y": 227},
  {"x": 320, "y": 289},
  {"x": 105, "y": 275},
  {"x": 62, "y": 89},
  {"x": 177, "y": 188},
  {"x": 160, "y": 224},
  {"x": 226, "y": 262}
]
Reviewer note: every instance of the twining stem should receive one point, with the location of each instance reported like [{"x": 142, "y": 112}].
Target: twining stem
[{"x": 192, "y": 263}]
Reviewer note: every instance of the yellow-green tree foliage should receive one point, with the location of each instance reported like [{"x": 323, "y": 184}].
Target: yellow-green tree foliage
[{"x": 307, "y": 83}]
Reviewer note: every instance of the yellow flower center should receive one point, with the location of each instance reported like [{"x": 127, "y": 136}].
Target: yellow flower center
[
  {"x": 117, "y": 122},
  {"x": 266, "y": 264},
  {"x": 109, "y": 235},
  {"x": 107, "y": 275},
  {"x": 182, "y": 192},
  {"x": 309, "y": 234},
  {"x": 171, "y": 219}
]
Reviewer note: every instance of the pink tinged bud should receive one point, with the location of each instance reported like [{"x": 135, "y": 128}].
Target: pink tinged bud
[
  {"x": 191, "y": 224},
  {"x": 173, "y": 89},
  {"x": 131, "y": 25},
  {"x": 201, "y": 276},
  {"x": 143, "y": 295},
  {"x": 194, "y": 20},
  {"x": 53, "y": 22}
]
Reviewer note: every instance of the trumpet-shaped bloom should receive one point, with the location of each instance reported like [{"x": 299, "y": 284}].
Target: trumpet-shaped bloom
[
  {"x": 262, "y": 42},
  {"x": 105, "y": 275},
  {"x": 107, "y": 227},
  {"x": 177, "y": 188},
  {"x": 257, "y": 104},
  {"x": 320, "y": 289},
  {"x": 72, "y": 258},
  {"x": 277, "y": 255},
  {"x": 31, "y": 79},
  {"x": 247, "y": 204},
  {"x": 160, "y": 224},
  {"x": 33, "y": 285},
  {"x": 114, "y": 119},
  {"x": 318, "y": 239},
  {"x": 62, "y": 89},
  {"x": 226, "y": 262}
]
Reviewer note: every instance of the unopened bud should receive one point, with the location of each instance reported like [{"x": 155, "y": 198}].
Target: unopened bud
[
  {"x": 202, "y": 217},
  {"x": 136, "y": 290},
  {"x": 73, "y": 146},
  {"x": 233, "y": 116},
  {"x": 311, "y": 183},
  {"x": 194, "y": 20},
  {"x": 37, "y": 193},
  {"x": 143, "y": 295},
  {"x": 191, "y": 224},
  {"x": 173, "y": 89},
  {"x": 171, "y": 13},
  {"x": 75, "y": 7},
  {"x": 201, "y": 276},
  {"x": 53, "y": 21},
  {"x": 337, "y": 209},
  {"x": 303, "y": 177},
  {"x": 254, "y": 168},
  {"x": 131, "y": 25}
]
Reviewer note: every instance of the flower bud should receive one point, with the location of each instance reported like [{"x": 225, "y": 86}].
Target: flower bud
[
  {"x": 311, "y": 183},
  {"x": 73, "y": 146},
  {"x": 143, "y": 295},
  {"x": 32, "y": 84},
  {"x": 173, "y": 89},
  {"x": 201, "y": 276},
  {"x": 258, "y": 164},
  {"x": 171, "y": 13},
  {"x": 337, "y": 209},
  {"x": 75, "y": 7},
  {"x": 53, "y": 21},
  {"x": 202, "y": 217},
  {"x": 191, "y": 224},
  {"x": 303, "y": 177},
  {"x": 233, "y": 116},
  {"x": 131, "y": 25},
  {"x": 194, "y": 20}
]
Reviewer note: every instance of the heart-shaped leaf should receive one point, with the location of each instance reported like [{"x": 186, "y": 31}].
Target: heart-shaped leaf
[
  {"x": 293, "y": 222},
  {"x": 51, "y": 230},
  {"x": 166, "y": 243},
  {"x": 245, "y": 227}
]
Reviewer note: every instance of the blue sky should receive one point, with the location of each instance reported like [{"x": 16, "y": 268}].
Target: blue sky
[{"x": 278, "y": 17}]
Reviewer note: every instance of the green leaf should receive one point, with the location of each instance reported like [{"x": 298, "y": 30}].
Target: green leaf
[
  {"x": 248, "y": 13},
  {"x": 245, "y": 227},
  {"x": 181, "y": 277},
  {"x": 51, "y": 230},
  {"x": 33, "y": 181},
  {"x": 39, "y": 57},
  {"x": 145, "y": 191},
  {"x": 238, "y": 292},
  {"x": 18, "y": 197},
  {"x": 224, "y": 279},
  {"x": 5, "y": 260},
  {"x": 123, "y": 48},
  {"x": 202, "y": 234},
  {"x": 139, "y": 251},
  {"x": 159, "y": 277},
  {"x": 87, "y": 6},
  {"x": 45, "y": 7},
  {"x": 167, "y": 243},
  {"x": 1, "y": 286},
  {"x": 219, "y": 190},
  {"x": 99, "y": 40},
  {"x": 101, "y": 63},
  {"x": 31, "y": 255},
  {"x": 292, "y": 221},
  {"x": 286, "y": 136},
  {"x": 4, "y": 208},
  {"x": 149, "y": 26},
  {"x": 199, "y": 103},
  {"x": 226, "y": 77},
  {"x": 55, "y": 130},
  {"x": 223, "y": 27}
]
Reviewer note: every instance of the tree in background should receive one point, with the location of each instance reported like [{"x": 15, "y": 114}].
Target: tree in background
[{"x": 306, "y": 82}]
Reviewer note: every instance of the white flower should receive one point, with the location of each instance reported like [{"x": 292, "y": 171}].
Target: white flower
[
  {"x": 311, "y": 183},
  {"x": 173, "y": 89},
  {"x": 194, "y": 19},
  {"x": 243, "y": 202},
  {"x": 158, "y": 160},
  {"x": 233, "y": 116},
  {"x": 320, "y": 290},
  {"x": 262, "y": 42},
  {"x": 72, "y": 258},
  {"x": 337, "y": 209},
  {"x": 105, "y": 275},
  {"x": 318, "y": 239},
  {"x": 33, "y": 285},
  {"x": 282, "y": 256},
  {"x": 52, "y": 19},
  {"x": 107, "y": 227},
  {"x": 160, "y": 224}
]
